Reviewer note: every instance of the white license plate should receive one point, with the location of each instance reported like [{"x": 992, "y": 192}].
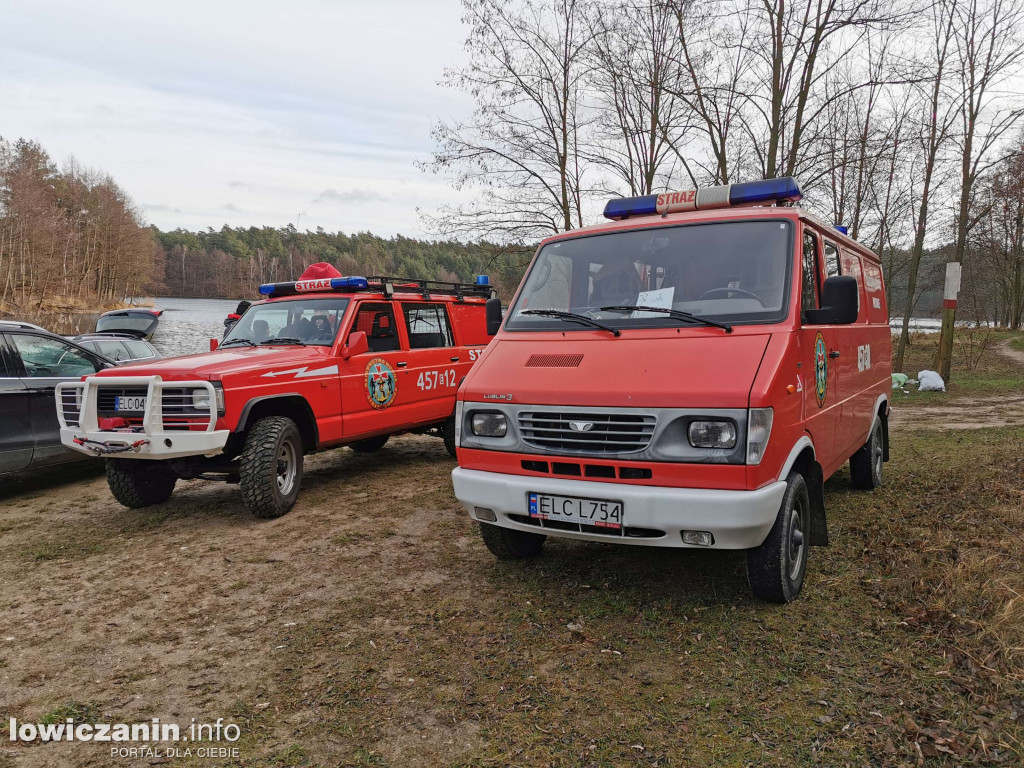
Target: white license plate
[
  {"x": 130, "y": 404},
  {"x": 573, "y": 509}
]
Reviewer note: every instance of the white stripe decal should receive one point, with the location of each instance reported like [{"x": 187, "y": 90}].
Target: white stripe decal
[{"x": 303, "y": 373}]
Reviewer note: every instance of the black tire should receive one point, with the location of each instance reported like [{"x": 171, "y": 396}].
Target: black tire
[
  {"x": 448, "y": 435},
  {"x": 509, "y": 544},
  {"x": 776, "y": 569},
  {"x": 866, "y": 463},
  {"x": 270, "y": 471},
  {"x": 139, "y": 483},
  {"x": 370, "y": 444}
]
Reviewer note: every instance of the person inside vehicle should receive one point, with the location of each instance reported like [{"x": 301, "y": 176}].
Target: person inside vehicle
[
  {"x": 322, "y": 327},
  {"x": 617, "y": 283},
  {"x": 234, "y": 317},
  {"x": 260, "y": 331}
]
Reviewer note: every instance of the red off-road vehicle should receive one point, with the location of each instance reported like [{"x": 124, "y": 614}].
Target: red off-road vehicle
[{"x": 323, "y": 362}]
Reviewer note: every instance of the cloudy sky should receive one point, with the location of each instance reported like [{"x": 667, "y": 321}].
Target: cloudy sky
[{"x": 246, "y": 112}]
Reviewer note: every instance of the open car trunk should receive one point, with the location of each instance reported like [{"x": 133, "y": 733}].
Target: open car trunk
[{"x": 139, "y": 323}]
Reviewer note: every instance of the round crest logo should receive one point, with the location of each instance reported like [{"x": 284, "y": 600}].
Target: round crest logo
[
  {"x": 820, "y": 370},
  {"x": 381, "y": 383}
]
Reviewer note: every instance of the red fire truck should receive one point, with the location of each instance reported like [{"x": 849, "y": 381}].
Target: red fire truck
[
  {"x": 686, "y": 375},
  {"x": 325, "y": 361}
]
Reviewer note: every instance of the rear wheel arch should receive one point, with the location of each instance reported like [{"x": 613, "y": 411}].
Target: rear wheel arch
[{"x": 291, "y": 405}]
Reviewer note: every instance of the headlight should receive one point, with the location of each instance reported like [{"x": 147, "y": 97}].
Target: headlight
[
  {"x": 201, "y": 399},
  {"x": 759, "y": 428},
  {"x": 712, "y": 434},
  {"x": 489, "y": 424}
]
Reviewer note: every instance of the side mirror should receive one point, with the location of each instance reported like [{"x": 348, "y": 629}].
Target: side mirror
[
  {"x": 493, "y": 312},
  {"x": 840, "y": 299},
  {"x": 213, "y": 345},
  {"x": 357, "y": 345}
]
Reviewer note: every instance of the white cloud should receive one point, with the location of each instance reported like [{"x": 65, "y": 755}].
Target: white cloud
[{"x": 271, "y": 105}]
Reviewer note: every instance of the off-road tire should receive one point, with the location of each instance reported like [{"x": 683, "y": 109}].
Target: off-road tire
[
  {"x": 776, "y": 569},
  {"x": 509, "y": 544},
  {"x": 370, "y": 444},
  {"x": 139, "y": 483},
  {"x": 260, "y": 466},
  {"x": 866, "y": 463},
  {"x": 448, "y": 435}
]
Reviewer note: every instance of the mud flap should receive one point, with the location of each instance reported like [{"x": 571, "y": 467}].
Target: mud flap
[{"x": 816, "y": 490}]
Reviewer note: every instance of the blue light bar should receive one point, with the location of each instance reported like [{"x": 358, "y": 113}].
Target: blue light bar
[
  {"x": 348, "y": 282},
  {"x": 267, "y": 288},
  {"x": 841, "y": 228},
  {"x": 784, "y": 189},
  {"x": 624, "y": 207},
  {"x": 483, "y": 280}
]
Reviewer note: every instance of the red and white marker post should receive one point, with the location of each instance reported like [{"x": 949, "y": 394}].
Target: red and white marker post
[{"x": 944, "y": 357}]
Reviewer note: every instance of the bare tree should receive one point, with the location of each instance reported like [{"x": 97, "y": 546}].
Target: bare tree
[
  {"x": 521, "y": 150},
  {"x": 989, "y": 51},
  {"x": 636, "y": 77}
]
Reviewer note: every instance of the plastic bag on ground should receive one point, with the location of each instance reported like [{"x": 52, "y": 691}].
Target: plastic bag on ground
[
  {"x": 899, "y": 380},
  {"x": 930, "y": 382}
]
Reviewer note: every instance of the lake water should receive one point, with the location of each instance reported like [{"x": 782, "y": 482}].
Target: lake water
[{"x": 187, "y": 325}]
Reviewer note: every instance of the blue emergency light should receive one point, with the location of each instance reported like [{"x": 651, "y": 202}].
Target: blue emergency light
[
  {"x": 784, "y": 189},
  {"x": 483, "y": 280},
  {"x": 841, "y": 228},
  {"x": 302, "y": 286}
]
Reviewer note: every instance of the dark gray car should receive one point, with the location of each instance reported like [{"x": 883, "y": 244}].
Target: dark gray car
[{"x": 32, "y": 363}]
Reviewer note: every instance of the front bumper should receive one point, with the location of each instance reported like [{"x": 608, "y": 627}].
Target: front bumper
[
  {"x": 79, "y": 423},
  {"x": 737, "y": 519}
]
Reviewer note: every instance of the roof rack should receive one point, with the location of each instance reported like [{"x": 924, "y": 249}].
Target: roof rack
[
  {"x": 386, "y": 284},
  {"x": 390, "y": 285}
]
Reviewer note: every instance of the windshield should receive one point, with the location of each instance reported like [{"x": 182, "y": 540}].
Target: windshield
[
  {"x": 306, "y": 321},
  {"x": 729, "y": 272}
]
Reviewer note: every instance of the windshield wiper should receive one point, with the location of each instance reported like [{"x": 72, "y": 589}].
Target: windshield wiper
[
  {"x": 673, "y": 313},
  {"x": 236, "y": 341},
  {"x": 284, "y": 340},
  {"x": 572, "y": 317}
]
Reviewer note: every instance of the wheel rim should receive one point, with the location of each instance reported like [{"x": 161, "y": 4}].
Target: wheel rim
[
  {"x": 877, "y": 451},
  {"x": 795, "y": 540},
  {"x": 287, "y": 467}
]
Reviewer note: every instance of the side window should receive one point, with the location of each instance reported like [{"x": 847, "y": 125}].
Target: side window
[
  {"x": 831, "y": 260},
  {"x": 809, "y": 294},
  {"x": 115, "y": 350},
  {"x": 8, "y": 367},
  {"x": 427, "y": 325},
  {"x": 377, "y": 321},
  {"x": 44, "y": 357},
  {"x": 138, "y": 350},
  {"x": 851, "y": 267}
]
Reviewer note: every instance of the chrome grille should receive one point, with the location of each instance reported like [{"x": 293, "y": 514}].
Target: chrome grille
[
  {"x": 176, "y": 402},
  {"x": 586, "y": 433}
]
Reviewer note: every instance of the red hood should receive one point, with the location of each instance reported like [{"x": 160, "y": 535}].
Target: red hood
[
  {"x": 696, "y": 369},
  {"x": 223, "y": 363}
]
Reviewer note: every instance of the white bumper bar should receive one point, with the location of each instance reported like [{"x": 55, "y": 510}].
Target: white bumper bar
[
  {"x": 79, "y": 421},
  {"x": 737, "y": 519}
]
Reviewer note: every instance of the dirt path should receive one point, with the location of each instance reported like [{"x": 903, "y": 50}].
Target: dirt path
[
  {"x": 968, "y": 411},
  {"x": 1009, "y": 352}
]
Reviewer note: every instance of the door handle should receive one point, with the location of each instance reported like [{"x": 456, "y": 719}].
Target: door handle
[
  {"x": 401, "y": 365},
  {"x": 455, "y": 359},
  {"x": 833, "y": 354}
]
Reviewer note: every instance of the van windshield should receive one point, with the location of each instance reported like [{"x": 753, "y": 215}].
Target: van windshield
[{"x": 732, "y": 272}]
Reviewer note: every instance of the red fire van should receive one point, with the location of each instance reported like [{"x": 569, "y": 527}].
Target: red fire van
[
  {"x": 325, "y": 361},
  {"x": 687, "y": 375}
]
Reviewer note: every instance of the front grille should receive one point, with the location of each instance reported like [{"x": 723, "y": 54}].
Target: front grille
[
  {"x": 586, "y": 433},
  {"x": 176, "y": 403}
]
